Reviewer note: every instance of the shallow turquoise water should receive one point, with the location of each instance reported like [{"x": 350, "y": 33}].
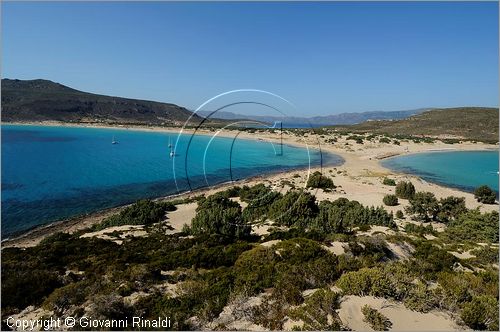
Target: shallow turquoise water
[
  {"x": 50, "y": 173},
  {"x": 465, "y": 170}
]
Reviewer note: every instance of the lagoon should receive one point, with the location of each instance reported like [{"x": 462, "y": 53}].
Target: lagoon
[
  {"x": 51, "y": 173},
  {"x": 465, "y": 170}
]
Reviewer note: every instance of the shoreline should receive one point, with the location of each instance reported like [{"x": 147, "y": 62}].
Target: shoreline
[{"x": 361, "y": 165}]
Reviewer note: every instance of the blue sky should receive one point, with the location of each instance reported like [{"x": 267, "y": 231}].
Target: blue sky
[{"x": 324, "y": 57}]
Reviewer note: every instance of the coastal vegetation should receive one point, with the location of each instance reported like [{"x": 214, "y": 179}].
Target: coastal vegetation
[
  {"x": 143, "y": 212},
  {"x": 218, "y": 263},
  {"x": 389, "y": 182},
  {"x": 377, "y": 321},
  {"x": 390, "y": 200},
  {"x": 405, "y": 190},
  {"x": 318, "y": 180},
  {"x": 485, "y": 194}
]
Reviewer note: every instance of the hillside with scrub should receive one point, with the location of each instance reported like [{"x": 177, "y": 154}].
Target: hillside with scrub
[{"x": 470, "y": 123}]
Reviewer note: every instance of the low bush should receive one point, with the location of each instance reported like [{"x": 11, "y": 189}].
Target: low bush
[
  {"x": 485, "y": 194},
  {"x": 389, "y": 182},
  {"x": 377, "y": 321},
  {"x": 143, "y": 212},
  {"x": 405, "y": 190},
  {"x": 390, "y": 200},
  {"x": 218, "y": 214},
  {"x": 318, "y": 180},
  {"x": 295, "y": 208},
  {"x": 319, "y": 312},
  {"x": 474, "y": 226},
  {"x": 424, "y": 206},
  {"x": 481, "y": 313}
]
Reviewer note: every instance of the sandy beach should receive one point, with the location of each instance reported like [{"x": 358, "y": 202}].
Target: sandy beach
[{"x": 358, "y": 178}]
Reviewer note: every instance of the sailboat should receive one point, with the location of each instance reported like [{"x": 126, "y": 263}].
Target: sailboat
[
  {"x": 171, "y": 147},
  {"x": 113, "y": 141}
]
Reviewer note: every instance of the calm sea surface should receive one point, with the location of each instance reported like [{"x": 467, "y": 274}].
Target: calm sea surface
[
  {"x": 465, "y": 170},
  {"x": 51, "y": 173}
]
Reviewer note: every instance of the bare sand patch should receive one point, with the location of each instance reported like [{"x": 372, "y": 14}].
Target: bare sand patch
[
  {"x": 182, "y": 216},
  {"x": 336, "y": 247},
  {"x": 378, "y": 229},
  {"x": 401, "y": 251},
  {"x": 270, "y": 243},
  {"x": 261, "y": 229},
  {"x": 239, "y": 201},
  {"x": 402, "y": 319},
  {"x": 462, "y": 255},
  {"x": 122, "y": 232},
  {"x": 236, "y": 315}
]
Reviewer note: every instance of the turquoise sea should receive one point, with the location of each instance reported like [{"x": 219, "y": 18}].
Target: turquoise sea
[
  {"x": 465, "y": 170},
  {"x": 51, "y": 173}
]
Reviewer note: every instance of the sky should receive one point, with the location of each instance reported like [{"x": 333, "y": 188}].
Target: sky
[{"x": 326, "y": 58}]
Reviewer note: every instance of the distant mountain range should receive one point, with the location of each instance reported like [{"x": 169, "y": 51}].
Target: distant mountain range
[
  {"x": 316, "y": 121},
  {"x": 43, "y": 100}
]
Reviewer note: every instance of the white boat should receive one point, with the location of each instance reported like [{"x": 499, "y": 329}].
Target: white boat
[
  {"x": 169, "y": 143},
  {"x": 113, "y": 141}
]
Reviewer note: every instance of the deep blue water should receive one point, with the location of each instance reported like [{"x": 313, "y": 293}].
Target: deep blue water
[
  {"x": 465, "y": 170},
  {"x": 51, "y": 173}
]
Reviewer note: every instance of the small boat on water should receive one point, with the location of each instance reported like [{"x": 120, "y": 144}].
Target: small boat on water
[{"x": 113, "y": 141}]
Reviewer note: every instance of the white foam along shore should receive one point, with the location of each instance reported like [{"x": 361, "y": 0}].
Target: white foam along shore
[{"x": 358, "y": 178}]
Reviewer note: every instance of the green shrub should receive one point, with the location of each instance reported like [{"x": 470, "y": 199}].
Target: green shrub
[
  {"x": 377, "y": 321},
  {"x": 399, "y": 214},
  {"x": 256, "y": 192},
  {"x": 389, "y": 182},
  {"x": 342, "y": 215},
  {"x": 450, "y": 208},
  {"x": 384, "y": 140},
  {"x": 485, "y": 194},
  {"x": 255, "y": 269},
  {"x": 366, "y": 281},
  {"x": 329, "y": 219},
  {"x": 143, "y": 212},
  {"x": 419, "y": 229},
  {"x": 318, "y": 180},
  {"x": 219, "y": 215},
  {"x": 429, "y": 259},
  {"x": 405, "y": 190},
  {"x": 481, "y": 313},
  {"x": 259, "y": 201},
  {"x": 62, "y": 298},
  {"x": 474, "y": 226},
  {"x": 424, "y": 205},
  {"x": 390, "y": 200},
  {"x": 295, "y": 208},
  {"x": 316, "y": 311}
]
